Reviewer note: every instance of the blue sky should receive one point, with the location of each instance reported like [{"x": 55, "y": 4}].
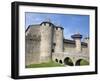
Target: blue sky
[{"x": 70, "y": 22}]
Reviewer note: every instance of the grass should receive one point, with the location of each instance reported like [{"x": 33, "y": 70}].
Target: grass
[
  {"x": 48, "y": 64},
  {"x": 54, "y": 64},
  {"x": 83, "y": 62}
]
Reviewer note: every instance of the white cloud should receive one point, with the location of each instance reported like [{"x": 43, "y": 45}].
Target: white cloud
[{"x": 67, "y": 33}]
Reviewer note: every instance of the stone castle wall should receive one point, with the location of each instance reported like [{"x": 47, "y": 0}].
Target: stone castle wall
[
  {"x": 69, "y": 47},
  {"x": 41, "y": 39},
  {"x": 32, "y": 45},
  {"x": 46, "y": 42}
]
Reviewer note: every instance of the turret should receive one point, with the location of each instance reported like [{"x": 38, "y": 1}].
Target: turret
[
  {"x": 77, "y": 37},
  {"x": 47, "y": 23},
  {"x": 58, "y": 39},
  {"x": 46, "y": 41}
]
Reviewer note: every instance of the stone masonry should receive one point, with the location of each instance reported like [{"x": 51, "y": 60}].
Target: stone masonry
[{"x": 45, "y": 42}]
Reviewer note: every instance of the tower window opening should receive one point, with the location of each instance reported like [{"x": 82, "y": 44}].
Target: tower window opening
[
  {"x": 54, "y": 44},
  {"x": 53, "y": 50},
  {"x": 56, "y": 28}
]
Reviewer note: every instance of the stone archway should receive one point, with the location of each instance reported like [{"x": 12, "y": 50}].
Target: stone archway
[
  {"x": 68, "y": 61},
  {"x": 56, "y": 60},
  {"x": 81, "y": 62},
  {"x": 60, "y": 61}
]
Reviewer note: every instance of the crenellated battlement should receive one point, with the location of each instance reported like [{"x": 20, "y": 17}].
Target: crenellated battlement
[
  {"x": 59, "y": 28},
  {"x": 48, "y": 24}
]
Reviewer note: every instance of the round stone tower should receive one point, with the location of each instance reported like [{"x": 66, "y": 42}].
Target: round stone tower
[
  {"x": 58, "y": 39},
  {"x": 46, "y": 41},
  {"x": 77, "y": 37}
]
